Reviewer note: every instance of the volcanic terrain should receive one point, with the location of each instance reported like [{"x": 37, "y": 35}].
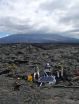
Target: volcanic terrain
[{"x": 21, "y": 58}]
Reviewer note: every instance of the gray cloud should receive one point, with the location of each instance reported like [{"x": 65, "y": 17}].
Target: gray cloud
[
  {"x": 8, "y": 24},
  {"x": 52, "y": 5},
  {"x": 72, "y": 18},
  {"x": 46, "y": 16}
]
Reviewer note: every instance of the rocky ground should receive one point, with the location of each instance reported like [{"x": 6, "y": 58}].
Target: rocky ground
[{"x": 20, "y": 58}]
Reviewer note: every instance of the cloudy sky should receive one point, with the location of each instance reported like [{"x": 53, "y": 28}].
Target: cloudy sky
[{"x": 45, "y": 16}]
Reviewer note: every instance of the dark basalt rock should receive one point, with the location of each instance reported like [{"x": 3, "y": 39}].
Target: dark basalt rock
[{"x": 21, "y": 58}]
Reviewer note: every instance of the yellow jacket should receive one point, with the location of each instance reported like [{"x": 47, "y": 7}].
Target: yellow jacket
[{"x": 30, "y": 78}]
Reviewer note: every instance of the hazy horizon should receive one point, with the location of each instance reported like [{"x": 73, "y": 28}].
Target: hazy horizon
[{"x": 41, "y": 16}]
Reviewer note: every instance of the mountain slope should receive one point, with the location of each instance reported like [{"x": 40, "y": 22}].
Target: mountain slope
[{"x": 37, "y": 38}]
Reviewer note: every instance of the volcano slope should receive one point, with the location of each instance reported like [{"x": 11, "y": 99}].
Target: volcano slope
[{"x": 20, "y": 58}]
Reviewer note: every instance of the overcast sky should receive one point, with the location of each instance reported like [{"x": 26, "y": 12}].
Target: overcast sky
[{"x": 45, "y": 16}]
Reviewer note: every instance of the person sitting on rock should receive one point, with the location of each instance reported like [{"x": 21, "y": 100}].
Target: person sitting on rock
[{"x": 58, "y": 73}]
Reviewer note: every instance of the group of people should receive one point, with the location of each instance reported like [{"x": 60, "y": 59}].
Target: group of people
[{"x": 58, "y": 74}]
